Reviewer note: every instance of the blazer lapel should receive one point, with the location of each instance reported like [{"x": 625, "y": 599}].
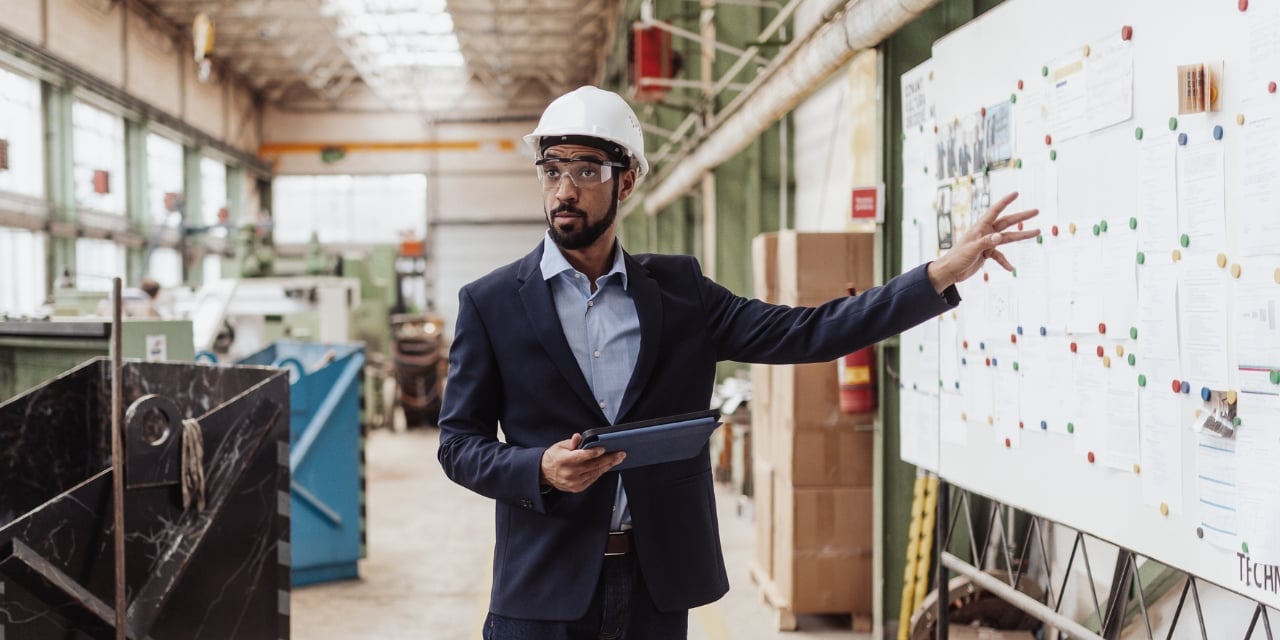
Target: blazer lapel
[
  {"x": 535, "y": 293},
  {"x": 648, "y": 301}
]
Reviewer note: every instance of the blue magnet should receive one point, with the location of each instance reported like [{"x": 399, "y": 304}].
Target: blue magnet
[
  {"x": 1205, "y": 394},
  {"x": 982, "y": 346},
  {"x": 1044, "y": 426},
  {"x": 957, "y": 384},
  {"x": 1019, "y": 330},
  {"x": 1043, "y": 331},
  {"x": 1182, "y": 138},
  {"x": 1217, "y": 132},
  {"x": 964, "y": 361},
  {"x": 993, "y": 362},
  {"x": 1186, "y": 387},
  {"x": 914, "y": 387}
]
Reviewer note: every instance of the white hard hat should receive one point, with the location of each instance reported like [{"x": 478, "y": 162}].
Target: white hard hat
[{"x": 594, "y": 113}]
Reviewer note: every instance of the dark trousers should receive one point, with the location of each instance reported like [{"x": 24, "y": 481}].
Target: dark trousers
[{"x": 620, "y": 610}]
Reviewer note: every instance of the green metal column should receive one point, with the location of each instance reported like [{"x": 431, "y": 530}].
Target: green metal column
[
  {"x": 138, "y": 210},
  {"x": 192, "y": 216},
  {"x": 59, "y": 181}
]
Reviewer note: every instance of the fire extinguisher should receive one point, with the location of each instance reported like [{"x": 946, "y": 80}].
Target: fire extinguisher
[{"x": 857, "y": 379}]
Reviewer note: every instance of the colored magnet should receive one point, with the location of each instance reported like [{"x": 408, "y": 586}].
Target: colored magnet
[
  {"x": 1091, "y": 458},
  {"x": 1019, "y": 330},
  {"x": 991, "y": 420},
  {"x": 1177, "y": 255},
  {"x": 1271, "y": 87},
  {"x": 1164, "y": 509},
  {"x": 1120, "y": 350},
  {"x": 986, "y": 277},
  {"x": 1182, "y": 139},
  {"x": 1074, "y": 348},
  {"x": 921, "y": 348},
  {"x": 1132, "y": 359},
  {"x": 1013, "y": 338},
  {"x": 994, "y": 363},
  {"x": 1097, "y": 229},
  {"x": 1240, "y": 119},
  {"x": 1185, "y": 241},
  {"x": 982, "y": 112},
  {"x": 1126, "y": 32},
  {"x": 1044, "y": 331},
  {"x": 1236, "y": 421},
  {"x": 1275, "y": 377},
  {"x": 1048, "y": 139},
  {"x": 1231, "y": 397},
  {"x": 964, "y": 343},
  {"x": 1072, "y": 228},
  {"x": 1243, "y": 5},
  {"x": 1103, "y": 224},
  {"x": 1044, "y": 426},
  {"x": 1173, "y": 124},
  {"x": 1186, "y": 387},
  {"x": 1137, "y": 133},
  {"x": 1217, "y": 132},
  {"x": 1133, "y": 223},
  {"x": 957, "y": 384},
  {"x": 1085, "y": 51},
  {"x": 1244, "y": 546},
  {"x": 982, "y": 346},
  {"x": 1200, "y": 530},
  {"x": 1102, "y": 327},
  {"x": 1007, "y": 443},
  {"x": 964, "y": 361},
  {"x": 1021, "y": 425},
  {"x": 1040, "y": 239},
  {"x": 1054, "y": 230},
  {"x": 1142, "y": 380},
  {"x": 1133, "y": 333},
  {"x": 1017, "y": 164},
  {"x": 1235, "y": 271},
  {"x": 1205, "y": 393},
  {"x": 1142, "y": 258},
  {"x": 1177, "y": 385},
  {"x": 1100, "y": 351},
  {"x": 1044, "y": 71},
  {"x": 1071, "y": 427},
  {"x": 964, "y": 416},
  {"x": 988, "y": 361},
  {"x": 1015, "y": 366},
  {"x": 1276, "y": 276},
  {"x": 1106, "y": 362},
  {"x": 1019, "y": 84},
  {"x": 1053, "y": 154},
  {"x": 1222, "y": 260},
  {"x": 1137, "y": 468}
]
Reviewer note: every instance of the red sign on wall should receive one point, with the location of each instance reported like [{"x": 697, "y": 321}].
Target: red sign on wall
[{"x": 868, "y": 203}]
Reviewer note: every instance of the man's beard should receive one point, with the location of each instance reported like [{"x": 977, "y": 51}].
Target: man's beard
[{"x": 584, "y": 237}]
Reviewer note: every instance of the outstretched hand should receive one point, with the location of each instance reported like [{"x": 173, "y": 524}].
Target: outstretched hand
[
  {"x": 572, "y": 470},
  {"x": 982, "y": 241}
]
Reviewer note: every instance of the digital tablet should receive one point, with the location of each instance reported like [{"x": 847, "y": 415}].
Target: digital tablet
[{"x": 655, "y": 441}]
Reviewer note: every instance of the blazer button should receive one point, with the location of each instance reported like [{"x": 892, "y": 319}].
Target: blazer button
[{"x": 526, "y": 503}]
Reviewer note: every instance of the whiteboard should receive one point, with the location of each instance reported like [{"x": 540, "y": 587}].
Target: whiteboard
[{"x": 1164, "y": 269}]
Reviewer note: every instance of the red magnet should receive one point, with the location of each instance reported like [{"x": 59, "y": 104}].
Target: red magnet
[
  {"x": 1013, "y": 337},
  {"x": 1271, "y": 87},
  {"x": 988, "y": 362},
  {"x": 1073, "y": 347},
  {"x": 1101, "y": 351},
  {"x": 965, "y": 344},
  {"x": 1019, "y": 85},
  {"x": 1243, "y": 4},
  {"x": 1177, "y": 386},
  {"x": 1048, "y": 139},
  {"x": 1007, "y": 443},
  {"x": 1021, "y": 425},
  {"x": 986, "y": 277},
  {"x": 1054, "y": 230},
  {"x": 1102, "y": 327},
  {"x": 1126, "y": 32},
  {"x": 1090, "y": 457},
  {"x": 982, "y": 112}
]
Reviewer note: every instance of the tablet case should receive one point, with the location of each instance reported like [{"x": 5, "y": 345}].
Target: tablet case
[{"x": 655, "y": 441}]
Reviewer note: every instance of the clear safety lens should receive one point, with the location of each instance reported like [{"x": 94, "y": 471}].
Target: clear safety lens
[{"x": 585, "y": 173}]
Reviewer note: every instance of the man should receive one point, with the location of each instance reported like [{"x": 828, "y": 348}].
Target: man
[{"x": 580, "y": 334}]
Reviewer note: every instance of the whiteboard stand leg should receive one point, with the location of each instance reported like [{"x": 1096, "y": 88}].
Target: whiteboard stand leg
[
  {"x": 943, "y": 524},
  {"x": 1118, "y": 599}
]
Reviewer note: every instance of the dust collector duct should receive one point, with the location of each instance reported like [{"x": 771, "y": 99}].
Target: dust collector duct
[{"x": 791, "y": 78}]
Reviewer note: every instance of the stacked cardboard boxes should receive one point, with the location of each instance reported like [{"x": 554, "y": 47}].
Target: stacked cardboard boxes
[{"x": 812, "y": 464}]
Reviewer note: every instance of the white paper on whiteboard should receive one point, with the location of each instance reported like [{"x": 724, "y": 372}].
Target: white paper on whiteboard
[
  {"x": 1202, "y": 196},
  {"x": 1203, "y": 299}
]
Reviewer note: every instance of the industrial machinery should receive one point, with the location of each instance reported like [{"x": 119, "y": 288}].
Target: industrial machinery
[
  {"x": 233, "y": 318},
  {"x": 326, "y": 457},
  {"x": 205, "y": 504},
  {"x": 418, "y": 353}
]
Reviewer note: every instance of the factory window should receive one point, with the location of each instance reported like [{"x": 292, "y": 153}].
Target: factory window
[
  {"x": 21, "y": 135},
  {"x": 338, "y": 208},
  {"x": 213, "y": 190},
  {"x": 97, "y": 262},
  {"x": 164, "y": 177},
  {"x": 165, "y": 265},
  {"x": 21, "y": 271},
  {"x": 98, "y": 138}
]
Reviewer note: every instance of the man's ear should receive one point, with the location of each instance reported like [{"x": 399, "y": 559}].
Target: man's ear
[{"x": 628, "y": 185}]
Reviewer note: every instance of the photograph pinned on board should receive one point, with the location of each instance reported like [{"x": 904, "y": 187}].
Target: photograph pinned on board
[
  {"x": 962, "y": 210},
  {"x": 1198, "y": 87},
  {"x": 943, "y": 207},
  {"x": 1217, "y": 417},
  {"x": 998, "y": 141},
  {"x": 947, "y": 168}
]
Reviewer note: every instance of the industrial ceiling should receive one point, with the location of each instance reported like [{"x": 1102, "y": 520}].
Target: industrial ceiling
[{"x": 425, "y": 56}]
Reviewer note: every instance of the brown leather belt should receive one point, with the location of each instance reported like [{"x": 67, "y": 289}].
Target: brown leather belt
[{"x": 619, "y": 544}]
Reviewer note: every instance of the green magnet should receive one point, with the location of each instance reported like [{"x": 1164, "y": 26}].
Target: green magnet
[
  {"x": 1133, "y": 223},
  {"x": 1185, "y": 241},
  {"x": 1017, "y": 163},
  {"x": 1137, "y": 133},
  {"x": 1133, "y": 333},
  {"x": 1244, "y": 546},
  {"x": 1044, "y": 71},
  {"x": 1132, "y": 359},
  {"x": 1015, "y": 366},
  {"x": 1053, "y": 154},
  {"x": 1142, "y": 380},
  {"x": 1142, "y": 258},
  {"x": 1275, "y": 377},
  {"x": 1173, "y": 124},
  {"x": 1103, "y": 224},
  {"x": 1071, "y": 427},
  {"x": 1013, "y": 98},
  {"x": 1236, "y": 420},
  {"x": 1097, "y": 229}
]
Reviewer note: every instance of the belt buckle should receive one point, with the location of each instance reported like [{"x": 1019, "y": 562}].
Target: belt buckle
[{"x": 606, "y": 546}]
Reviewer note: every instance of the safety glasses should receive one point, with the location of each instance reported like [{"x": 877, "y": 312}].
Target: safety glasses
[{"x": 584, "y": 173}]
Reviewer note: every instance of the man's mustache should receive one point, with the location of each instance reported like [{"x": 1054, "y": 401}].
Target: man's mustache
[{"x": 566, "y": 208}]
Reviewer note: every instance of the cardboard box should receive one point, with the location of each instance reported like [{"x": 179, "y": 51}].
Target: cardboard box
[
  {"x": 763, "y": 472},
  {"x": 827, "y": 518},
  {"x": 824, "y": 456},
  {"x": 827, "y": 581},
  {"x": 822, "y": 265},
  {"x": 764, "y": 266},
  {"x": 809, "y": 395}
]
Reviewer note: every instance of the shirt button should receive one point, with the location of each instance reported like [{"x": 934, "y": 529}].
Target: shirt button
[
  {"x": 602, "y": 404},
  {"x": 596, "y": 354},
  {"x": 591, "y": 303}
]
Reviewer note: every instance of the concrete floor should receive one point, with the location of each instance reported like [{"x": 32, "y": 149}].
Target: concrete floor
[{"x": 430, "y": 546}]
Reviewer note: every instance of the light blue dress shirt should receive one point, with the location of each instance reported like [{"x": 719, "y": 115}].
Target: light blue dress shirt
[{"x": 603, "y": 331}]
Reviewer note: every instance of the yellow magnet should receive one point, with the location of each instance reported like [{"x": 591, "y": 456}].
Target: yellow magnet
[
  {"x": 1120, "y": 350},
  {"x": 1231, "y": 397},
  {"x": 1235, "y": 271},
  {"x": 1240, "y": 119},
  {"x": 1222, "y": 260},
  {"x": 1164, "y": 509},
  {"x": 1177, "y": 255},
  {"x": 1106, "y": 361},
  {"x": 1137, "y": 468},
  {"x": 1277, "y": 276},
  {"x": 1085, "y": 51}
]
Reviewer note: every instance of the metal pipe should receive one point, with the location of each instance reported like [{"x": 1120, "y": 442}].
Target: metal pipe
[
  {"x": 795, "y": 74},
  {"x": 1019, "y": 599},
  {"x": 117, "y": 456}
]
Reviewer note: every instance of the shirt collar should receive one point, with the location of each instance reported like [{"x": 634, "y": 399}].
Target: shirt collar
[{"x": 554, "y": 263}]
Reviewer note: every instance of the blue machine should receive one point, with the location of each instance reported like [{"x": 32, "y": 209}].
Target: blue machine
[{"x": 326, "y": 457}]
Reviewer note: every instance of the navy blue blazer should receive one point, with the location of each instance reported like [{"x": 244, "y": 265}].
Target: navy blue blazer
[{"x": 510, "y": 365}]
